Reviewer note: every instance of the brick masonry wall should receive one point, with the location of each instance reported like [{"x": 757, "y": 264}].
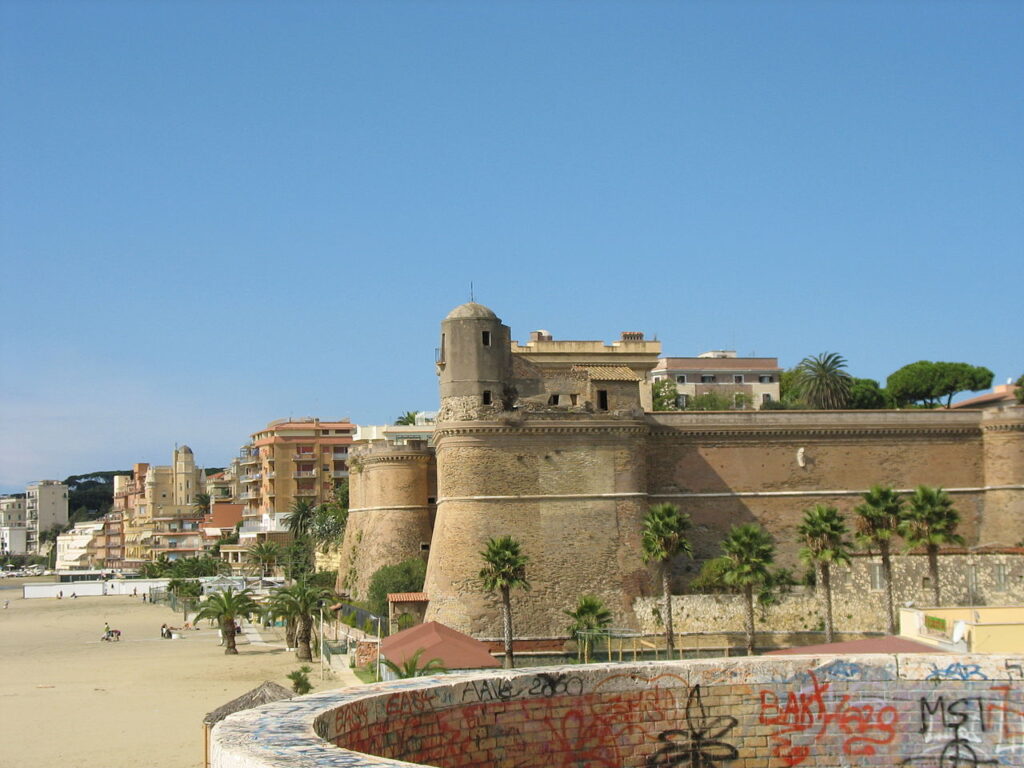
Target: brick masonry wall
[{"x": 819, "y": 712}]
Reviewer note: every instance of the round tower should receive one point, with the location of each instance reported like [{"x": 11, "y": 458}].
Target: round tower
[
  {"x": 391, "y": 510},
  {"x": 474, "y": 363}
]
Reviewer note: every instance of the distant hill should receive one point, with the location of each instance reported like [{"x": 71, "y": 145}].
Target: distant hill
[{"x": 90, "y": 496}]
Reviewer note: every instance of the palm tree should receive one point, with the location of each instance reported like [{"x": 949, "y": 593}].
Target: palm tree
[
  {"x": 298, "y": 604},
  {"x": 930, "y": 521},
  {"x": 201, "y": 505},
  {"x": 187, "y": 591},
  {"x": 225, "y": 607},
  {"x": 878, "y": 520},
  {"x": 264, "y": 555},
  {"x": 823, "y": 381},
  {"x": 664, "y": 537},
  {"x": 411, "y": 666},
  {"x": 590, "y": 614},
  {"x": 300, "y": 517},
  {"x": 749, "y": 554},
  {"x": 407, "y": 419},
  {"x": 504, "y": 570},
  {"x": 823, "y": 531}
]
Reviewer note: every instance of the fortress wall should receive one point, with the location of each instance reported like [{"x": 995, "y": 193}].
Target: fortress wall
[
  {"x": 572, "y": 497},
  {"x": 1003, "y": 442},
  {"x": 811, "y": 711},
  {"x": 733, "y": 468}
]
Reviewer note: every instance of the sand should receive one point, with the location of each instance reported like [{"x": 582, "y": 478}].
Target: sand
[{"x": 69, "y": 700}]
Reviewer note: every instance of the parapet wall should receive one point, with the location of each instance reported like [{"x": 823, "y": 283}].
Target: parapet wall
[{"x": 815, "y": 711}]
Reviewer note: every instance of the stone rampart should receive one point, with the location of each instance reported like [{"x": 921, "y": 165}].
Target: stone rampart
[{"x": 814, "y": 711}]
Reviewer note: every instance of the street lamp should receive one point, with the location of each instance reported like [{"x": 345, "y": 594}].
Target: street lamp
[
  {"x": 378, "y": 647},
  {"x": 320, "y": 604}
]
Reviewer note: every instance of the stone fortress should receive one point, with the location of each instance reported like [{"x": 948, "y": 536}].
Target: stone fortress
[{"x": 555, "y": 444}]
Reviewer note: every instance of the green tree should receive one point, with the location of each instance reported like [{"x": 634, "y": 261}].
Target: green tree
[
  {"x": 663, "y": 395},
  {"x": 298, "y": 604},
  {"x": 224, "y": 608},
  {"x": 789, "y": 391},
  {"x": 411, "y": 666},
  {"x": 406, "y": 576},
  {"x": 300, "y": 517},
  {"x": 188, "y": 591},
  {"x": 327, "y": 528},
  {"x": 1019, "y": 391},
  {"x": 590, "y": 615},
  {"x": 201, "y": 504},
  {"x": 300, "y": 680},
  {"x": 878, "y": 521},
  {"x": 663, "y": 538},
  {"x": 504, "y": 570},
  {"x": 865, "y": 394},
  {"x": 930, "y": 521},
  {"x": 709, "y": 401},
  {"x": 823, "y": 381},
  {"x": 750, "y": 554},
  {"x": 407, "y": 419},
  {"x": 823, "y": 532},
  {"x": 928, "y": 383},
  {"x": 264, "y": 556}
]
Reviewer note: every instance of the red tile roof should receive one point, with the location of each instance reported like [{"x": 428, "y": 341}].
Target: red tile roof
[
  {"x": 408, "y": 597},
  {"x": 454, "y": 649}
]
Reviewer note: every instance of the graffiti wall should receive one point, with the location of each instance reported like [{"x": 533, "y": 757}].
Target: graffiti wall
[{"x": 908, "y": 710}]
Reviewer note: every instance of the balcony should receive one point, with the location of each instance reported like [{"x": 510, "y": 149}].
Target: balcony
[
  {"x": 304, "y": 473},
  {"x": 304, "y": 456},
  {"x": 270, "y": 475},
  {"x": 251, "y": 478},
  {"x": 248, "y": 496},
  {"x": 339, "y": 473},
  {"x": 248, "y": 458},
  {"x": 305, "y": 491}
]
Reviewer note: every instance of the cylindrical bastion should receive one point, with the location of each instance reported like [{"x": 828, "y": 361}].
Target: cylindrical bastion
[{"x": 929, "y": 711}]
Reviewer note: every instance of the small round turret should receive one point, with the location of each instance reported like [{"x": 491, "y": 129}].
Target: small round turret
[{"x": 474, "y": 361}]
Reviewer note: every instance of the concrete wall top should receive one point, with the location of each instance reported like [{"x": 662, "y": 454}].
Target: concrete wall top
[{"x": 907, "y": 709}]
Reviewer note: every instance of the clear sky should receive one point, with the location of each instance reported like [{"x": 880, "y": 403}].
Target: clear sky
[{"x": 216, "y": 214}]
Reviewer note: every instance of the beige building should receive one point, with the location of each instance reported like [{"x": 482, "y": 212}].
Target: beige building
[
  {"x": 76, "y": 548},
  {"x": 288, "y": 461},
  {"x": 749, "y": 382},
  {"x": 46, "y": 505},
  {"x": 158, "y": 508},
  {"x": 562, "y": 365}
]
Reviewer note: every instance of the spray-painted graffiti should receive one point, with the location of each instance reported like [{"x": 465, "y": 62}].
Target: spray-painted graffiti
[
  {"x": 861, "y": 726},
  {"x": 971, "y": 730},
  {"x": 700, "y": 745},
  {"x": 957, "y": 671}
]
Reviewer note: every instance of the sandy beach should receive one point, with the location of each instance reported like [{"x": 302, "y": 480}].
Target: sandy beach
[{"x": 68, "y": 700}]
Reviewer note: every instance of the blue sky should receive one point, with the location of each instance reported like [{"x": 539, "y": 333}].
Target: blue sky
[{"x": 217, "y": 214}]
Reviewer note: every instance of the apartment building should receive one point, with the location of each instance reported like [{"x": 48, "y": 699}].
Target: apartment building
[
  {"x": 287, "y": 461},
  {"x": 225, "y": 486},
  {"x": 747, "y": 381},
  {"x": 13, "y": 530},
  {"x": 46, "y": 505},
  {"x": 77, "y": 548}
]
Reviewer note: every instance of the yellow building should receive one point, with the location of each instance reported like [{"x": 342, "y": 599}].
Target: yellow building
[{"x": 970, "y": 629}]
